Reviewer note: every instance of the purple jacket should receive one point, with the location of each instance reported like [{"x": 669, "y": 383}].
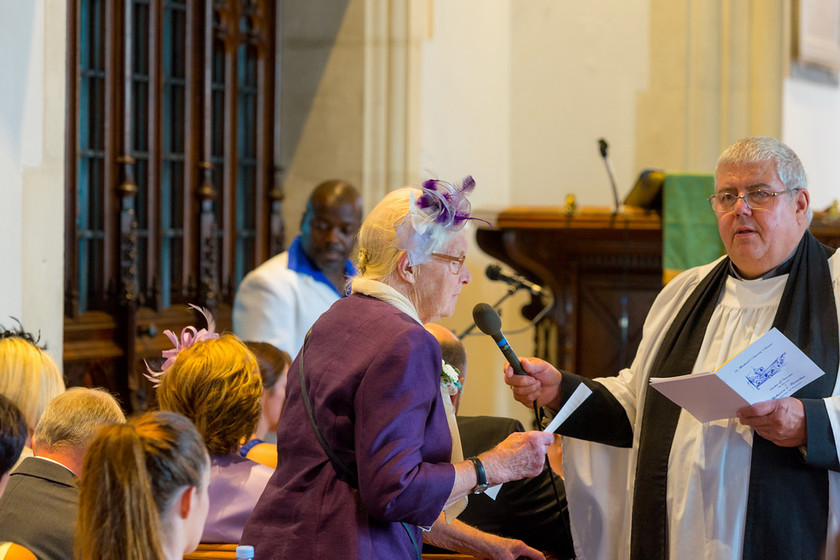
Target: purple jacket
[{"x": 373, "y": 375}]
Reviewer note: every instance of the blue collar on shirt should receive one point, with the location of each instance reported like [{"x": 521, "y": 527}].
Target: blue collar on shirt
[{"x": 300, "y": 263}]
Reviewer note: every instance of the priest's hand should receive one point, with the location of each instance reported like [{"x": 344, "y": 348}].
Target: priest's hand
[
  {"x": 542, "y": 384},
  {"x": 781, "y": 421}
]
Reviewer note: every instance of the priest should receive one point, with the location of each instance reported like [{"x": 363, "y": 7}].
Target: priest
[{"x": 645, "y": 479}]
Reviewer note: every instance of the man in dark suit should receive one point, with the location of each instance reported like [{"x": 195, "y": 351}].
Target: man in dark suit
[
  {"x": 39, "y": 506},
  {"x": 533, "y": 510}
]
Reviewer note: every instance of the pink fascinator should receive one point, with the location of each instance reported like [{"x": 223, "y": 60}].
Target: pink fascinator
[
  {"x": 441, "y": 208},
  {"x": 189, "y": 336}
]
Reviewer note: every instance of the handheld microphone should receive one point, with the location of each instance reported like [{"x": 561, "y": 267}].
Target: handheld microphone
[
  {"x": 494, "y": 272},
  {"x": 489, "y": 322},
  {"x": 602, "y": 147}
]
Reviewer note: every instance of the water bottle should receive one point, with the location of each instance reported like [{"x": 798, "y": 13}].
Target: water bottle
[{"x": 244, "y": 552}]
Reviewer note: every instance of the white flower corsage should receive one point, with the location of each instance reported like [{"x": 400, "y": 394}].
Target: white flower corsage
[{"x": 450, "y": 378}]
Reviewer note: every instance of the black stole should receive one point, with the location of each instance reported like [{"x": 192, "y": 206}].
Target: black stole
[{"x": 787, "y": 504}]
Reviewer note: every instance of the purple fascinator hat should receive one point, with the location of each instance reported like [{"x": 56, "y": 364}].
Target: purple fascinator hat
[
  {"x": 441, "y": 208},
  {"x": 189, "y": 336}
]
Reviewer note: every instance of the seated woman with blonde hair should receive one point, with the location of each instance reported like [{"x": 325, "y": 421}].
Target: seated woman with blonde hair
[
  {"x": 29, "y": 377},
  {"x": 274, "y": 368},
  {"x": 214, "y": 381},
  {"x": 144, "y": 492}
]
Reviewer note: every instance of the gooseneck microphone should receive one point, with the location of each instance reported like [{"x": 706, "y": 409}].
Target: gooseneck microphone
[
  {"x": 495, "y": 272},
  {"x": 602, "y": 147},
  {"x": 489, "y": 322}
]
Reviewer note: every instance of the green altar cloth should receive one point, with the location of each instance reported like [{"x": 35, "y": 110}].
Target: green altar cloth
[{"x": 689, "y": 226}]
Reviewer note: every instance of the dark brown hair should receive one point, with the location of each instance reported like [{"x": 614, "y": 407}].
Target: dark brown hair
[
  {"x": 132, "y": 472},
  {"x": 272, "y": 361},
  {"x": 13, "y": 434}
]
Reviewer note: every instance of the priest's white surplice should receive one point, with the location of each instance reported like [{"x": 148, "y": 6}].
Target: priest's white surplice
[{"x": 709, "y": 464}]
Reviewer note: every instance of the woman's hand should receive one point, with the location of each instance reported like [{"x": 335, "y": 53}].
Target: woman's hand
[
  {"x": 520, "y": 455},
  {"x": 542, "y": 384},
  {"x": 500, "y": 548},
  {"x": 466, "y": 539}
]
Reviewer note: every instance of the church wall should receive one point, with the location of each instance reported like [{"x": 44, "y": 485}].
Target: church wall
[
  {"x": 811, "y": 126},
  {"x": 466, "y": 130},
  {"x": 32, "y": 106},
  {"x": 518, "y": 94},
  {"x": 322, "y": 79}
]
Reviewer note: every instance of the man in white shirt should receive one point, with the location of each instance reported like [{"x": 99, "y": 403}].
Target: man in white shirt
[
  {"x": 762, "y": 485},
  {"x": 40, "y": 504},
  {"x": 279, "y": 300}
]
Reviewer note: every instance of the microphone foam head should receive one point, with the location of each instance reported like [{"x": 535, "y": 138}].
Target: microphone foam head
[
  {"x": 492, "y": 272},
  {"x": 602, "y": 146},
  {"x": 486, "y": 319}
]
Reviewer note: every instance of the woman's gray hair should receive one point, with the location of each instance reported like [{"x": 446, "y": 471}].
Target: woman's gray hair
[
  {"x": 758, "y": 149},
  {"x": 73, "y": 418}
]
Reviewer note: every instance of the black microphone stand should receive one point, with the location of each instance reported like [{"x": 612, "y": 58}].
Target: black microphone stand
[
  {"x": 512, "y": 289},
  {"x": 602, "y": 148}
]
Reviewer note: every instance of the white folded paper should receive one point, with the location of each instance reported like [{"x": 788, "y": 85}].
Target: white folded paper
[
  {"x": 772, "y": 367},
  {"x": 572, "y": 403}
]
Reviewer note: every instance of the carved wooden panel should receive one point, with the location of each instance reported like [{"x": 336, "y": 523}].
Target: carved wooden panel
[{"x": 171, "y": 188}]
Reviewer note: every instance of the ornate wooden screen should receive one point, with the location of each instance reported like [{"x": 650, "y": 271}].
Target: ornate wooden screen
[{"x": 171, "y": 191}]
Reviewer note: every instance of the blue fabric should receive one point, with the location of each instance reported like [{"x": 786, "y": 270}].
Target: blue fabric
[
  {"x": 249, "y": 446},
  {"x": 300, "y": 263}
]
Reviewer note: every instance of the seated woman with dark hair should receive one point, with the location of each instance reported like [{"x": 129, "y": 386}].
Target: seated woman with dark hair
[
  {"x": 274, "y": 367},
  {"x": 215, "y": 382},
  {"x": 13, "y": 434},
  {"x": 144, "y": 492}
]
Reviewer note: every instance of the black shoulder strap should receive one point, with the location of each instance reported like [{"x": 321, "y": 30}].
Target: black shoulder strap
[{"x": 335, "y": 459}]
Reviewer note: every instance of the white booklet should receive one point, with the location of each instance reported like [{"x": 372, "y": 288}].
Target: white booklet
[{"x": 772, "y": 367}]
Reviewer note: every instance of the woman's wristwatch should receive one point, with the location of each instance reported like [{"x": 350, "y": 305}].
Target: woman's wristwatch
[{"x": 480, "y": 475}]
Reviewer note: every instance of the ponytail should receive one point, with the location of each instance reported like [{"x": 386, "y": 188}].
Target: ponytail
[
  {"x": 132, "y": 474},
  {"x": 118, "y": 517}
]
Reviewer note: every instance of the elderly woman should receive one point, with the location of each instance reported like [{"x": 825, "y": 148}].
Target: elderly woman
[
  {"x": 371, "y": 375},
  {"x": 215, "y": 382}
]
